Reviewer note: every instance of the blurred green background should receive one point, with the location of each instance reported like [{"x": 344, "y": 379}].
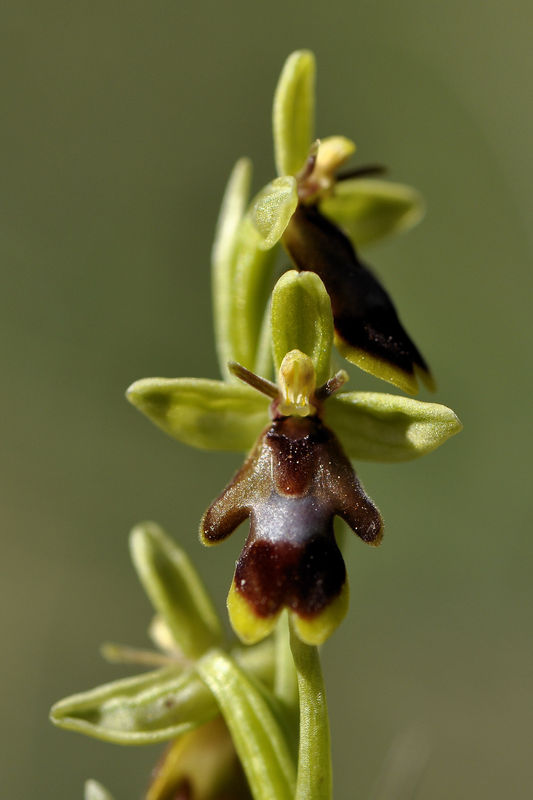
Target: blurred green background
[{"x": 120, "y": 124}]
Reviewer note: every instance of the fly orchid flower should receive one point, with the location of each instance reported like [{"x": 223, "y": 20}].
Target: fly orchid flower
[
  {"x": 307, "y": 208},
  {"x": 298, "y": 476},
  {"x": 293, "y": 483}
]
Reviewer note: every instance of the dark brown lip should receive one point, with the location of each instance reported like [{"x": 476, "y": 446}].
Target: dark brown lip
[{"x": 295, "y": 481}]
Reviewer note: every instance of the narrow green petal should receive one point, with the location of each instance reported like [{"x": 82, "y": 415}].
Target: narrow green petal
[
  {"x": 175, "y": 590},
  {"x": 95, "y": 791},
  {"x": 302, "y": 320},
  {"x": 388, "y": 427},
  {"x": 370, "y": 209},
  {"x": 293, "y": 112},
  {"x": 256, "y": 732},
  {"x": 148, "y": 708},
  {"x": 223, "y": 257},
  {"x": 212, "y": 415},
  {"x": 272, "y": 209}
]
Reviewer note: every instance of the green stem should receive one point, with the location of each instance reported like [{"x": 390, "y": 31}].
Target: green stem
[
  {"x": 314, "y": 780},
  {"x": 285, "y": 684}
]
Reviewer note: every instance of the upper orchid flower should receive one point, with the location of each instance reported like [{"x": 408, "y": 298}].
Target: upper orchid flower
[{"x": 308, "y": 207}]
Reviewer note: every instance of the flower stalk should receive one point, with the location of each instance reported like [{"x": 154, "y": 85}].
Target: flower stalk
[{"x": 314, "y": 780}]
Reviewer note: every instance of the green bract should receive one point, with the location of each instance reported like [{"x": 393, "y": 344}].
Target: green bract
[
  {"x": 224, "y": 256},
  {"x": 165, "y": 703},
  {"x": 153, "y": 707},
  {"x": 241, "y": 274},
  {"x": 254, "y": 725}
]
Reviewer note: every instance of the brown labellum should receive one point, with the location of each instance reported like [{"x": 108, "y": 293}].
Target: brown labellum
[{"x": 292, "y": 485}]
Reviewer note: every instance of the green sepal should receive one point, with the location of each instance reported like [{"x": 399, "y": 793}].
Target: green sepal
[
  {"x": 175, "y": 590},
  {"x": 302, "y": 320},
  {"x": 212, "y": 415},
  {"x": 369, "y": 209},
  {"x": 293, "y": 112},
  {"x": 272, "y": 209},
  {"x": 95, "y": 791},
  {"x": 153, "y": 707},
  {"x": 387, "y": 427},
  {"x": 257, "y": 732},
  {"x": 224, "y": 257},
  {"x": 156, "y": 706}
]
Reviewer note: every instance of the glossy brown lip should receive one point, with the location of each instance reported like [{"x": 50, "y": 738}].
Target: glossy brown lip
[
  {"x": 364, "y": 315},
  {"x": 295, "y": 481}
]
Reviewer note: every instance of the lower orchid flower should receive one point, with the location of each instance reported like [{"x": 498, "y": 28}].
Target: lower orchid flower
[
  {"x": 296, "y": 479},
  {"x": 322, "y": 216},
  {"x": 298, "y": 476}
]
